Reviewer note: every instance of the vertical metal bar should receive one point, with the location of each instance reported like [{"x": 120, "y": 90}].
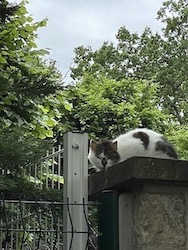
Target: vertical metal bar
[
  {"x": 36, "y": 174},
  {"x": 59, "y": 166},
  {"x": 41, "y": 173},
  {"x": 53, "y": 169},
  {"x": 108, "y": 221},
  {"x": 17, "y": 226},
  {"x": 34, "y": 228},
  {"x": 58, "y": 187},
  {"x": 47, "y": 169},
  {"x": 75, "y": 189},
  {"x": 45, "y": 234},
  {"x": 52, "y": 226},
  {"x": 39, "y": 222},
  {"x": 12, "y": 226},
  {"x": 58, "y": 235},
  {"x": 52, "y": 234},
  {"x": 46, "y": 215},
  {"x": 1, "y": 234}
]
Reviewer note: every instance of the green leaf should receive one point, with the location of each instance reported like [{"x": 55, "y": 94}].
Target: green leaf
[
  {"x": 29, "y": 28},
  {"x": 33, "y": 180},
  {"x": 45, "y": 109},
  {"x": 55, "y": 177},
  {"x": 23, "y": 34},
  {"x": 2, "y": 60},
  {"x": 30, "y": 19},
  {"x": 22, "y": 10},
  {"x": 49, "y": 133},
  {"x": 51, "y": 122},
  {"x": 68, "y": 106},
  {"x": 43, "y": 23},
  {"x": 4, "y": 52}
]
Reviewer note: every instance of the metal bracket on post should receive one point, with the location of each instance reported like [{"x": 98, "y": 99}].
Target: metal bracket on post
[{"x": 75, "y": 191}]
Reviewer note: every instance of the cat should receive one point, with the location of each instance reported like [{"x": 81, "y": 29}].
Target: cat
[{"x": 138, "y": 142}]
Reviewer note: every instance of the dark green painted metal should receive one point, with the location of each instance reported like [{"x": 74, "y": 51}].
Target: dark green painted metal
[{"x": 108, "y": 221}]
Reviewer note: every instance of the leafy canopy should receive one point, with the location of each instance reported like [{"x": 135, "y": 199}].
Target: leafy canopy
[
  {"x": 160, "y": 57},
  {"x": 30, "y": 87},
  {"x": 150, "y": 71},
  {"x": 106, "y": 107},
  {"x": 31, "y": 95}
]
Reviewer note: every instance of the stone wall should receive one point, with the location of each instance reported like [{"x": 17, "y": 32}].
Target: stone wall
[
  {"x": 153, "y": 202},
  {"x": 159, "y": 221}
]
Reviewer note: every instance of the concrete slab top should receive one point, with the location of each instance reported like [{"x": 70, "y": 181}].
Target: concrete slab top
[{"x": 134, "y": 172}]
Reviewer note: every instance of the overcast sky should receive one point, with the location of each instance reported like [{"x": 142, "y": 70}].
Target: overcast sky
[{"x": 72, "y": 23}]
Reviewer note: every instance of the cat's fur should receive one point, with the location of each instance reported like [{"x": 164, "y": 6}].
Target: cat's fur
[{"x": 138, "y": 142}]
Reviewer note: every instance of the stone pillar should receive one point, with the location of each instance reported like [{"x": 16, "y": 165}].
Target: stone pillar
[
  {"x": 152, "y": 221},
  {"x": 153, "y": 202}
]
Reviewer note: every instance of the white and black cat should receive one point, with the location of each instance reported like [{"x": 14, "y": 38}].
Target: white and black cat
[{"x": 138, "y": 142}]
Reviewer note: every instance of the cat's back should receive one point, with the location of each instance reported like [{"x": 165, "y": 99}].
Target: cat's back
[
  {"x": 137, "y": 133},
  {"x": 137, "y": 142}
]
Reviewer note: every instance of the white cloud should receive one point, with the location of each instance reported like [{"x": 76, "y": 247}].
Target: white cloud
[{"x": 89, "y": 22}]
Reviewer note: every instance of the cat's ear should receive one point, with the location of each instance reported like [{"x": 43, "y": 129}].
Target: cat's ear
[
  {"x": 114, "y": 145},
  {"x": 93, "y": 145}
]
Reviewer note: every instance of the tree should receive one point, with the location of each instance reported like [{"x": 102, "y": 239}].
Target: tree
[
  {"x": 105, "y": 107},
  {"x": 18, "y": 150},
  {"x": 31, "y": 87},
  {"x": 178, "y": 135},
  {"x": 31, "y": 94},
  {"x": 160, "y": 57}
]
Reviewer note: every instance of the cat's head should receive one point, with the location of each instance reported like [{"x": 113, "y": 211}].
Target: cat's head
[{"x": 103, "y": 154}]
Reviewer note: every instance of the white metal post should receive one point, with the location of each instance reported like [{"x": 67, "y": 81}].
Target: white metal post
[{"x": 75, "y": 190}]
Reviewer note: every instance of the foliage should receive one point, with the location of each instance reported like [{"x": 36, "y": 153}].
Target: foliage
[
  {"x": 160, "y": 57},
  {"x": 31, "y": 104},
  {"x": 18, "y": 150},
  {"x": 105, "y": 107},
  {"x": 25, "y": 190},
  {"x": 31, "y": 94},
  {"x": 31, "y": 87},
  {"x": 6, "y": 183},
  {"x": 178, "y": 135}
]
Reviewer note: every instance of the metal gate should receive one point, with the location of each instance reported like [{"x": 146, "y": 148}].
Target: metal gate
[{"x": 51, "y": 224}]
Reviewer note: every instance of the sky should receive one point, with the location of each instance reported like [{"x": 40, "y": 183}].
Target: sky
[{"x": 72, "y": 23}]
